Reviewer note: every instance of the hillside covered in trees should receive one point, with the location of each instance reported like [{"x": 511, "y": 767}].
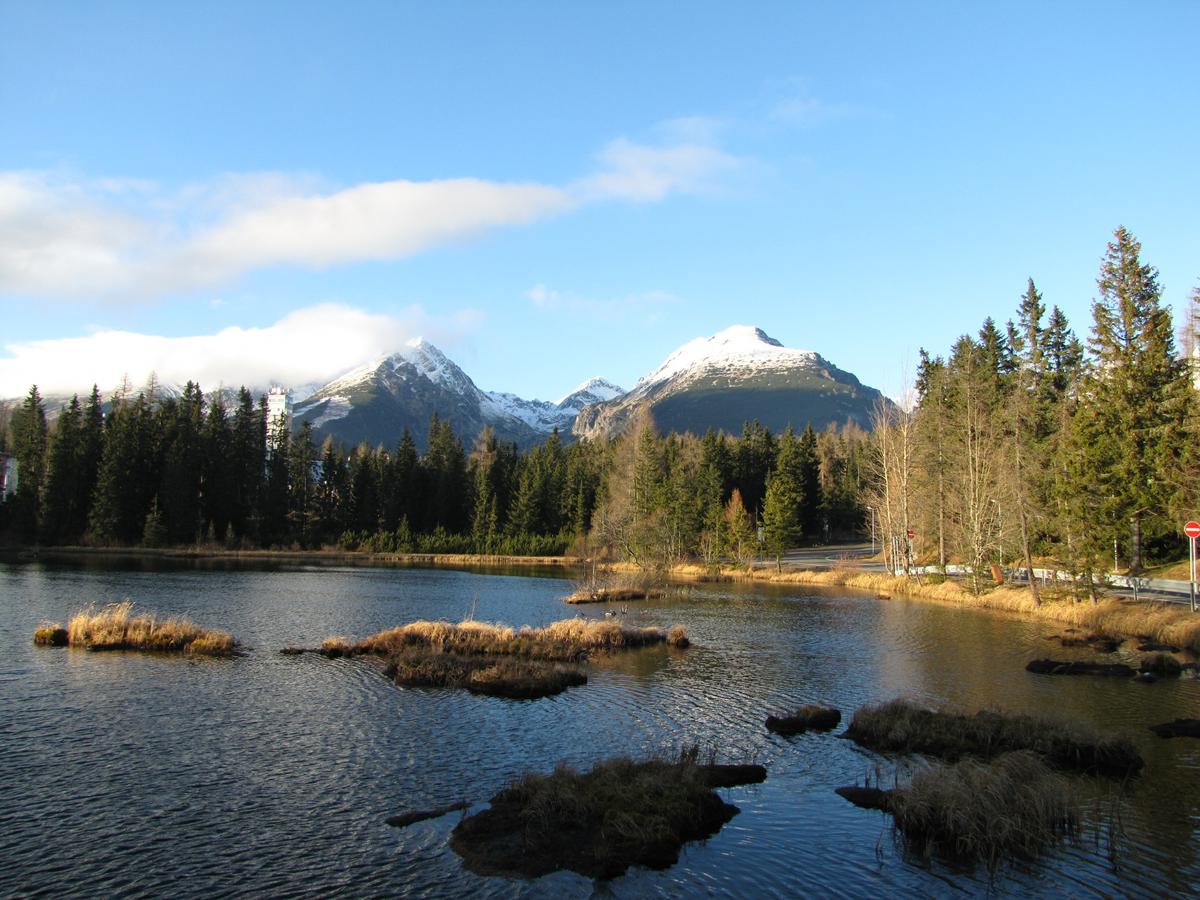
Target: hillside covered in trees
[{"x": 165, "y": 471}]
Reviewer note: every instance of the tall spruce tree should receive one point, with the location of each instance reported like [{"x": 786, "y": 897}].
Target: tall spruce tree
[
  {"x": 781, "y": 516},
  {"x": 62, "y": 477},
  {"x": 1135, "y": 401},
  {"x": 29, "y": 441}
]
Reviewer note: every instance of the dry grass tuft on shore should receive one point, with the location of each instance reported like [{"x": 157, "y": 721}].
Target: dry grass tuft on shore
[
  {"x": 516, "y": 679},
  {"x": 1012, "y": 807},
  {"x": 599, "y": 823},
  {"x": 902, "y": 727},
  {"x": 567, "y": 640},
  {"x": 114, "y": 627}
]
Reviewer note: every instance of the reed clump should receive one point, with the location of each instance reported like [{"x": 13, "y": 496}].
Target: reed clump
[
  {"x": 1011, "y": 807},
  {"x": 516, "y": 679},
  {"x": 566, "y": 640},
  {"x": 114, "y": 627},
  {"x": 902, "y": 727},
  {"x": 600, "y": 822}
]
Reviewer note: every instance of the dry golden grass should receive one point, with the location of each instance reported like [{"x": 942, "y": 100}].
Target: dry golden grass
[
  {"x": 114, "y": 627},
  {"x": 568, "y": 639},
  {"x": 1163, "y": 622},
  {"x": 1011, "y": 807}
]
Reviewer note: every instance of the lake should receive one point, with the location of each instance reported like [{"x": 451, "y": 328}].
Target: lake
[{"x": 133, "y": 774}]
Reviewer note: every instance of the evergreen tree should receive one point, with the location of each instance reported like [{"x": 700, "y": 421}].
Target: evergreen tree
[
  {"x": 247, "y": 465},
  {"x": 217, "y": 473},
  {"x": 129, "y": 473},
  {"x": 812, "y": 525},
  {"x": 276, "y": 492},
  {"x": 753, "y": 458},
  {"x": 446, "y": 469},
  {"x": 332, "y": 489},
  {"x": 180, "y": 425},
  {"x": 782, "y": 523},
  {"x": 302, "y": 487},
  {"x": 91, "y": 447},
  {"x": 1136, "y": 398},
  {"x": 62, "y": 477},
  {"x": 29, "y": 440}
]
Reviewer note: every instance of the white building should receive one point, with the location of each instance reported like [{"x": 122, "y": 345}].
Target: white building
[
  {"x": 8, "y": 476},
  {"x": 279, "y": 413}
]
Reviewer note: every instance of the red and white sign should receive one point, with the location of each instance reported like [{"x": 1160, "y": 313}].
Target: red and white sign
[
  {"x": 912, "y": 534},
  {"x": 1192, "y": 529}
]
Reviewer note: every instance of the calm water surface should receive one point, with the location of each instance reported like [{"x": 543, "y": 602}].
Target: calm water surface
[{"x": 125, "y": 774}]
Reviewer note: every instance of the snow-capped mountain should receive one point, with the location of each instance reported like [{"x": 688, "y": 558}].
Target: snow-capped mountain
[
  {"x": 377, "y": 401},
  {"x": 736, "y": 375}
]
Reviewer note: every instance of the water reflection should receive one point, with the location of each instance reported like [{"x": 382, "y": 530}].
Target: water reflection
[{"x": 273, "y": 775}]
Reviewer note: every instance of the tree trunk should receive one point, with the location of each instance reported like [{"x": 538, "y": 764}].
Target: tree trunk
[{"x": 1033, "y": 588}]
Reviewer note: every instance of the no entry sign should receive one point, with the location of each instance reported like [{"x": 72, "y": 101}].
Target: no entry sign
[{"x": 1192, "y": 529}]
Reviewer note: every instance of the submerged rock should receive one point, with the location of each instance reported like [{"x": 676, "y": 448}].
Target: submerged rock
[
  {"x": 402, "y": 820},
  {"x": 815, "y": 718}
]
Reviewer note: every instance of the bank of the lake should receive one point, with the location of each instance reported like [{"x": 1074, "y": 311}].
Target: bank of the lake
[{"x": 268, "y": 774}]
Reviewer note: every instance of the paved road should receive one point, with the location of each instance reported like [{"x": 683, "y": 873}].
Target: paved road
[{"x": 829, "y": 556}]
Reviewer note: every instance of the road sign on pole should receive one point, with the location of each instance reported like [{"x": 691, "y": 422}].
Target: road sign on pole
[{"x": 1192, "y": 530}]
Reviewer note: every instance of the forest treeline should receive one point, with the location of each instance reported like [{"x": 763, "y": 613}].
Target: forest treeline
[
  {"x": 157, "y": 470},
  {"x": 1021, "y": 442}
]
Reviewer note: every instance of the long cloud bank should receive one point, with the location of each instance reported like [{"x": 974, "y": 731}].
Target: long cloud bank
[
  {"x": 308, "y": 346},
  {"x": 71, "y": 237}
]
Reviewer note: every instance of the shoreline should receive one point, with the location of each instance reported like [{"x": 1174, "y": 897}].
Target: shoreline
[
  {"x": 1150, "y": 620},
  {"x": 298, "y": 556}
]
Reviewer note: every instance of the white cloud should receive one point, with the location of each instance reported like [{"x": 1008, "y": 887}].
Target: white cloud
[
  {"x": 122, "y": 238},
  {"x": 314, "y": 344},
  {"x": 646, "y": 306},
  {"x": 646, "y": 173}
]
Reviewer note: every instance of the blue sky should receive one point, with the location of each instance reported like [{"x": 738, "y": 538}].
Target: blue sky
[{"x": 555, "y": 191}]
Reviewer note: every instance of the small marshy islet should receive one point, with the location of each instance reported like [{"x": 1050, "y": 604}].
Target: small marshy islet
[
  {"x": 598, "y": 823},
  {"x": 1011, "y": 807},
  {"x": 115, "y": 627},
  {"x": 899, "y": 726},
  {"x": 494, "y": 659}
]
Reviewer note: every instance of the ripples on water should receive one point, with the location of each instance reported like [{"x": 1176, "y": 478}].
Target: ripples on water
[{"x": 142, "y": 775}]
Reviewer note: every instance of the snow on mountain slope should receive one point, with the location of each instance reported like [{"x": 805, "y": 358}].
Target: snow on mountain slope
[
  {"x": 722, "y": 381},
  {"x": 740, "y": 348},
  {"x": 594, "y": 390}
]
